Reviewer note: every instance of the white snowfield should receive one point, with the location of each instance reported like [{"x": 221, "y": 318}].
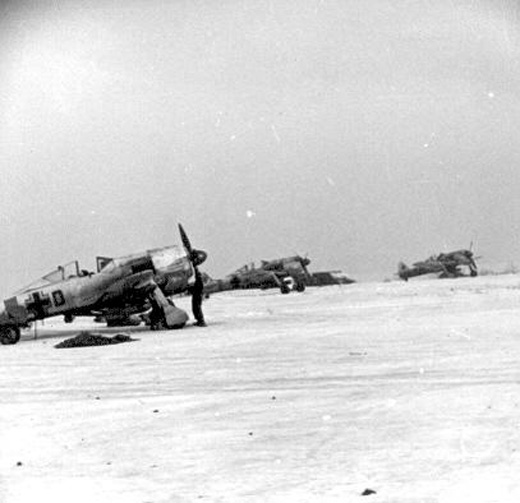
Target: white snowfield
[{"x": 410, "y": 389}]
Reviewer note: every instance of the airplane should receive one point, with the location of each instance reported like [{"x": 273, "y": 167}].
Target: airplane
[
  {"x": 121, "y": 287},
  {"x": 295, "y": 267},
  {"x": 288, "y": 273},
  {"x": 447, "y": 265}
]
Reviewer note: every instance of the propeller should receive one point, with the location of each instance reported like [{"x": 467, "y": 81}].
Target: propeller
[
  {"x": 196, "y": 257},
  {"x": 304, "y": 261}
]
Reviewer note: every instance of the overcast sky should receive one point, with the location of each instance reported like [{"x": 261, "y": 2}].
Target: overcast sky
[{"x": 359, "y": 132}]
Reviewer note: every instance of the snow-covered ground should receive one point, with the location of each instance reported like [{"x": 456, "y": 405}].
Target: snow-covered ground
[{"x": 409, "y": 389}]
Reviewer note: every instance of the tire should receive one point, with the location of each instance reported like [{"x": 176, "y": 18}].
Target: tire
[
  {"x": 158, "y": 325},
  {"x": 9, "y": 335}
]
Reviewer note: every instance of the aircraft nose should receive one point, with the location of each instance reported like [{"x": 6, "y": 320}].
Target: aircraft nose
[{"x": 198, "y": 257}]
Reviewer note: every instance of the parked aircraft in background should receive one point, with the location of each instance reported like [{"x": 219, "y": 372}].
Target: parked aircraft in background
[
  {"x": 287, "y": 274},
  {"x": 294, "y": 267},
  {"x": 447, "y": 265},
  {"x": 121, "y": 287}
]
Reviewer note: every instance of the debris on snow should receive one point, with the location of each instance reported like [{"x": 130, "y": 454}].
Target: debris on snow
[{"x": 86, "y": 338}]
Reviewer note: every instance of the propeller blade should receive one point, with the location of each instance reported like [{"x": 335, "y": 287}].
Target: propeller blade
[
  {"x": 185, "y": 240},
  {"x": 196, "y": 257}
]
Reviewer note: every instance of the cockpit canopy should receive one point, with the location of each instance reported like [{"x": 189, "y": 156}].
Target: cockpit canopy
[{"x": 61, "y": 273}]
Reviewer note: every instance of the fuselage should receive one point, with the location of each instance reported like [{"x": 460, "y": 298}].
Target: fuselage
[{"x": 121, "y": 282}]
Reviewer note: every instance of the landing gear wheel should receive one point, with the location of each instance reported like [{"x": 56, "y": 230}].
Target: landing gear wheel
[
  {"x": 158, "y": 325},
  {"x": 157, "y": 320},
  {"x": 300, "y": 287},
  {"x": 9, "y": 335}
]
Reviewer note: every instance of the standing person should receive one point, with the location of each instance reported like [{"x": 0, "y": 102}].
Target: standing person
[{"x": 196, "y": 299}]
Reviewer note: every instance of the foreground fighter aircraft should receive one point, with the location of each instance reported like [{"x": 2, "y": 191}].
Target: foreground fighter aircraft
[
  {"x": 447, "y": 265},
  {"x": 121, "y": 287},
  {"x": 289, "y": 273}
]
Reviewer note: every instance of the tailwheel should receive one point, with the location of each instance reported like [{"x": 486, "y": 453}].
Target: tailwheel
[{"x": 9, "y": 335}]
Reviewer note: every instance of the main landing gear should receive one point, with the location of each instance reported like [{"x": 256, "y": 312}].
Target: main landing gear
[{"x": 164, "y": 314}]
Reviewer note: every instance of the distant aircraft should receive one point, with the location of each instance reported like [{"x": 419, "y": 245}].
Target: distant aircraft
[
  {"x": 121, "y": 287},
  {"x": 289, "y": 273},
  {"x": 447, "y": 265},
  {"x": 294, "y": 267}
]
